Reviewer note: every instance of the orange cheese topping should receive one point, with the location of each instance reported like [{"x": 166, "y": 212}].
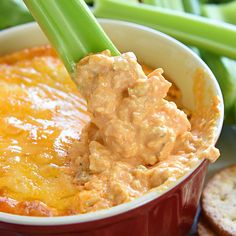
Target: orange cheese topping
[{"x": 41, "y": 115}]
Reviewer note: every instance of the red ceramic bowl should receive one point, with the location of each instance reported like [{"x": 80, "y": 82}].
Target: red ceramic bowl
[{"x": 167, "y": 213}]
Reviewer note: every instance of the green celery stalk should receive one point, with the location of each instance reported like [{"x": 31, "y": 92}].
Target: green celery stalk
[
  {"x": 193, "y": 7},
  {"x": 197, "y": 31},
  {"x": 169, "y": 4},
  {"x": 224, "y": 12},
  {"x": 153, "y": 2},
  {"x": 71, "y": 28},
  {"x": 176, "y": 5},
  {"x": 223, "y": 68},
  {"x": 90, "y": 2},
  {"x": 173, "y": 4},
  {"x": 13, "y": 12},
  {"x": 215, "y": 1}
]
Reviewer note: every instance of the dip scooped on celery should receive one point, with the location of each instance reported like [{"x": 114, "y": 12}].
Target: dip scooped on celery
[{"x": 136, "y": 140}]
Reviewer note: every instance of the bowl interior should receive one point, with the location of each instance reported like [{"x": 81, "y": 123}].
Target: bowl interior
[{"x": 152, "y": 48}]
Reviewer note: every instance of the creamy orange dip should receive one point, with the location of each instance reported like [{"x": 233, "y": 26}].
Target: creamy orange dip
[{"x": 61, "y": 156}]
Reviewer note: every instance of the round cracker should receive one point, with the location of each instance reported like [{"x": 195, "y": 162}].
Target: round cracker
[
  {"x": 204, "y": 229},
  {"x": 219, "y": 201}
]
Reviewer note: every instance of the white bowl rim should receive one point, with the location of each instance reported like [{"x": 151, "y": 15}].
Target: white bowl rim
[{"x": 138, "y": 202}]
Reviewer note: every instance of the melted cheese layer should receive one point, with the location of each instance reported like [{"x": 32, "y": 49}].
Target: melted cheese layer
[{"x": 41, "y": 115}]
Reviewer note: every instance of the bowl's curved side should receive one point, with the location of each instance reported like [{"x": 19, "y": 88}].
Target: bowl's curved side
[
  {"x": 180, "y": 196},
  {"x": 170, "y": 214}
]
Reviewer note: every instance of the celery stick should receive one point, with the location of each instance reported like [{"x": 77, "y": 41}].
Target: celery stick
[
  {"x": 90, "y": 2},
  {"x": 225, "y": 71},
  {"x": 197, "y": 31},
  {"x": 71, "y": 28},
  {"x": 193, "y": 7},
  {"x": 215, "y": 1},
  {"x": 153, "y": 2},
  {"x": 173, "y": 4},
  {"x": 176, "y": 5},
  {"x": 169, "y": 4},
  {"x": 13, "y": 12},
  {"x": 223, "y": 68},
  {"x": 223, "y": 12}
]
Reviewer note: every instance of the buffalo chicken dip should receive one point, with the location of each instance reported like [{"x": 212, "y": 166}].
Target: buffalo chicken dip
[{"x": 66, "y": 150}]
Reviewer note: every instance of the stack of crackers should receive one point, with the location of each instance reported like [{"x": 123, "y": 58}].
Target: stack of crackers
[{"x": 219, "y": 205}]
